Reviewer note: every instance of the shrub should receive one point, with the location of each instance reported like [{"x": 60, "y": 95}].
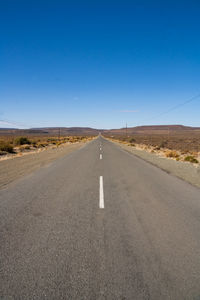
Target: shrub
[
  {"x": 191, "y": 159},
  {"x": 42, "y": 145},
  {"x": 6, "y": 147},
  {"x": 27, "y": 147},
  {"x": 162, "y": 144},
  {"x": 52, "y": 140},
  {"x": 131, "y": 140},
  {"x": 172, "y": 154},
  {"x": 3, "y": 153},
  {"x": 24, "y": 147},
  {"x": 157, "y": 148},
  {"x": 34, "y": 143},
  {"x": 22, "y": 141}
]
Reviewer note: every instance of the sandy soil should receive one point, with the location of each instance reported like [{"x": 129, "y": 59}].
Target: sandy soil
[
  {"x": 18, "y": 166},
  {"x": 184, "y": 170}
]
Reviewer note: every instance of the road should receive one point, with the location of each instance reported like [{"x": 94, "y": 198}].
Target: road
[{"x": 99, "y": 223}]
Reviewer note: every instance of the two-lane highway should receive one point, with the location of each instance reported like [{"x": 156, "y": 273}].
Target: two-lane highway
[{"x": 100, "y": 223}]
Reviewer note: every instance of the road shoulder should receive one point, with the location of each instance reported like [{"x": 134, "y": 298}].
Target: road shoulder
[
  {"x": 184, "y": 170},
  {"x": 17, "y": 167}
]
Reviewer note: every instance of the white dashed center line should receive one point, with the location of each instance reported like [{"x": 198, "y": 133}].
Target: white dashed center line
[
  {"x": 100, "y": 156},
  {"x": 101, "y": 195}
]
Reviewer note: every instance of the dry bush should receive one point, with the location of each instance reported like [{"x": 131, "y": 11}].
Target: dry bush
[
  {"x": 42, "y": 145},
  {"x": 132, "y": 140},
  {"x": 172, "y": 154},
  {"x": 59, "y": 143},
  {"x": 191, "y": 159},
  {"x": 162, "y": 144},
  {"x": 6, "y": 147},
  {"x": 22, "y": 141},
  {"x": 157, "y": 148},
  {"x": 27, "y": 147}
]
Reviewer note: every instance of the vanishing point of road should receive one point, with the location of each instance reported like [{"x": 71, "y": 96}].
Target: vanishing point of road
[{"x": 99, "y": 223}]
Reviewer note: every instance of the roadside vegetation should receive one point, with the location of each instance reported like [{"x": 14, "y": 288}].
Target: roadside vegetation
[
  {"x": 177, "y": 147},
  {"x": 6, "y": 147},
  {"x": 191, "y": 159},
  {"x": 12, "y": 145}
]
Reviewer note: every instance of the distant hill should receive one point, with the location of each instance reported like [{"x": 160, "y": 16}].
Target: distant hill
[
  {"x": 152, "y": 129},
  {"x": 164, "y": 127},
  {"x": 51, "y": 131},
  {"x": 65, "y": 131}
]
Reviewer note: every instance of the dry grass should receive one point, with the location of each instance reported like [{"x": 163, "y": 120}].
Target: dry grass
[
  {"x": 186, "y": 141},
  {"x": 179, "y": 146},
  {"x": 16, "y": 145},
  {"x": 172, "y": 154}
]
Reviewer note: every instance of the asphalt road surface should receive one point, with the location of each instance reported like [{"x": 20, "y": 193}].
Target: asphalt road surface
[{"x": 99, "y": 223}]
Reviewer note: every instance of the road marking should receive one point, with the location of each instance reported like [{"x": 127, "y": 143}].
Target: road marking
[
  {"x": 100, "y": 148},
  {"x": 100, "y": 156},
  {"x": 101, "y": 195}
]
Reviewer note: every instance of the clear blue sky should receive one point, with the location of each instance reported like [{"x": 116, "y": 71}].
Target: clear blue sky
[{"x": 99, "y": 63}]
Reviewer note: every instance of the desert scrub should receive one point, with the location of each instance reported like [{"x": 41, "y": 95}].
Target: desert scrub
[
  {"x": 191, "y": 159},
  {"x": 162, "y": 144},
  {"x": 3, "y": 153},
  {"x": 157, "y": 148},
  {"x": 34, "y": 144},
  {"x": 6, "y": 147},
  {"x": 27, "y": 147},
  {"x": 132, "y": 140},
  {"x": 42, "y": 145},
  {"x": 58, "y": 144},
  {"x": 172, "y": 154},
  {"x": 22, "y": 141},
  {"x": 51, "y": 140}
]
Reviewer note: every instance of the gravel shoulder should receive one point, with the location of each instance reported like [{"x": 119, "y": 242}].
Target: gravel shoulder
[
  {"x": 184, "y": 170},
  {"x": 17, "y": 167}
]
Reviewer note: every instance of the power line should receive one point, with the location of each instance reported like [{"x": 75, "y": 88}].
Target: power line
[
  {"x": 13, "y": 123},
  {"x": 175, "y": 107}
]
